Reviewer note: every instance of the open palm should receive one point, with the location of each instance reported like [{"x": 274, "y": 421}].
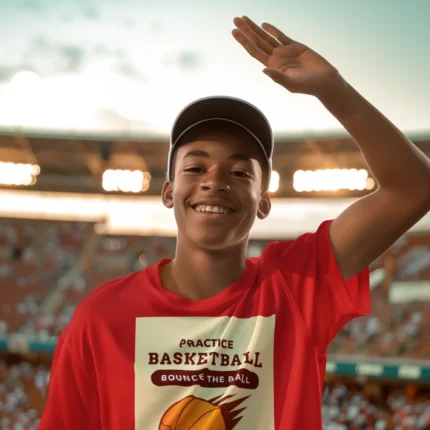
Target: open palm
[{"x": 288, "y": 62}]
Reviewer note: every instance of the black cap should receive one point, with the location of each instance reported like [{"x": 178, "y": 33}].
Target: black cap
[{"x": 228, "y": 109}]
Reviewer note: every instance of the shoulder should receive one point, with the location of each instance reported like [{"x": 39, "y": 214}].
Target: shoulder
[
  {"x": 105, "y": 298},
  {"x": 310, "y": 245}
]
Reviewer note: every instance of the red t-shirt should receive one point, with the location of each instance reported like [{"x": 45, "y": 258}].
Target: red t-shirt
[{"x": 253, "y": 357}]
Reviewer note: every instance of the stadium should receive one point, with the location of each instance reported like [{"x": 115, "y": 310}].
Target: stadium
[
  {"x": 80, "y": 206},
  {"x": 65, "y": 235}
]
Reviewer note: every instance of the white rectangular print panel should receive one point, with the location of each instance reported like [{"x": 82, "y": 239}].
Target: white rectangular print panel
[{"x": 204, "y": 373}]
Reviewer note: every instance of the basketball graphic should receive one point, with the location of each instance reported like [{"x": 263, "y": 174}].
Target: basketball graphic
[{"x": 193, "y": 413}]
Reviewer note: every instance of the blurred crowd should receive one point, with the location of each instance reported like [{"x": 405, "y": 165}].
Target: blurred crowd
[
  {"x": 34, "y": 256},
  {"x": 389, "y": 331},
  {"x": 23, "y": 389},
  {"x": 394, "y": 328},
  {"x": 351, "y": 409}
]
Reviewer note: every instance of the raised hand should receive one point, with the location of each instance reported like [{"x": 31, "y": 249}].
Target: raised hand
[{"x": 289, "y": 63}]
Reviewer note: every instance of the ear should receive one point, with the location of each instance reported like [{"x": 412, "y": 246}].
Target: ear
[
  {"x": 167, "y": 194},
  {"x": 264, "y": 206}
]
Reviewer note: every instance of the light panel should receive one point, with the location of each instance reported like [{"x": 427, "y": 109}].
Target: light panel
[
  {"x": 332, "y": 180},
  {"x": 274, "y": 182},
  {"x": 18, "y": 174}
]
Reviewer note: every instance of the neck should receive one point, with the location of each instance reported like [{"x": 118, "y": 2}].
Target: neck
[{"x": 198, "y": 274}]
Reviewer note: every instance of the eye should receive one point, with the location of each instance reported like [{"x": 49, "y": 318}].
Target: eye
[
  {"x": 194, "y": 169},
  {"x": 240, "y": 174}
]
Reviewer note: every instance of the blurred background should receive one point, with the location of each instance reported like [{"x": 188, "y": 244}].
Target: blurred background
[{"x": 88, "y": 92}]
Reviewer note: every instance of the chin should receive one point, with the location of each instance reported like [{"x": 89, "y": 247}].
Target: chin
[
  {"x": 212, "y": 240},
  {"x": 215, "y": 237}
]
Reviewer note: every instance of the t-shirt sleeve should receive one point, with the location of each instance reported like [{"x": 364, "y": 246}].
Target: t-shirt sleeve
[
  {"x": 73, "y": 400},
  {"x": 312, "y": 280}
]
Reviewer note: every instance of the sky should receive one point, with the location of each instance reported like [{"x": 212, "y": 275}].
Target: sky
[{"x": 129, "y": 66}]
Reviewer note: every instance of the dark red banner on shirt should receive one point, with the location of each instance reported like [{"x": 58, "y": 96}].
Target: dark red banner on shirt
[{"x": 242, "y": 378}]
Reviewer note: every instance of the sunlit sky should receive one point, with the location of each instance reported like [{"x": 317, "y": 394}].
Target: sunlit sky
[{"x": 122, "y": 66}]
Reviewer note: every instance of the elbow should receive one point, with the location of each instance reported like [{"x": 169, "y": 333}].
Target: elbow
[
  {"x": 417, "y": 192},
  {"x": 427, "y": 202},
  {"x": 423, "y": 195},
  {"x": 427, "y": 190}
]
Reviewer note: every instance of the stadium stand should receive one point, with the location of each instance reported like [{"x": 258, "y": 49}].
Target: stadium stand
[
  {"x": 352, "y": 408},
  {"x": 22, "y": 392},
  {"x": 393, "y": 329},
  {"x": 34, "y": 256}
]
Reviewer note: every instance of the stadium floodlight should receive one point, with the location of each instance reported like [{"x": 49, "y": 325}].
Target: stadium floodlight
[
  {"x": 274, "y": 182},
  {"x": 332, "y": 180},
  {"x": 18, "y": 174},
  {"x": 126, "y": 181}
]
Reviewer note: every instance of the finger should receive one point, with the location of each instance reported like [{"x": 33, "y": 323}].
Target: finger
[
  {"x": 271, "y": 29},
  {"x": 281, "y": 79},
  {"x": 252, "y": 49},
  {"x": 253, "y": 36},
  {"x": 275, "y": 74},
  {"x": 258, "y": 30}
]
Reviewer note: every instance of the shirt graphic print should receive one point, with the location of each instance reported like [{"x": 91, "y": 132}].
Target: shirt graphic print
[{"x": 204, "y": 373}]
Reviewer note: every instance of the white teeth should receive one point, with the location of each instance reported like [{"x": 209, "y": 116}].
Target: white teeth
[{"x": 212, "y": 209}]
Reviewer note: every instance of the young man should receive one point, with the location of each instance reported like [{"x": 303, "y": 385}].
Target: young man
[{"x": 212, "y": 340}]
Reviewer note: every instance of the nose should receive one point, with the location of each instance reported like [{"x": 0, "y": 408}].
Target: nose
[{"x": 215, "y": 181}]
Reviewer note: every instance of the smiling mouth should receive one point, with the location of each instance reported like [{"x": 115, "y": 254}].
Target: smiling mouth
[{"x": 213, "y": 209}]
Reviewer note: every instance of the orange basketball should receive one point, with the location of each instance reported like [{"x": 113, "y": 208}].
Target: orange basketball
[{"x": 192, "y": 413}]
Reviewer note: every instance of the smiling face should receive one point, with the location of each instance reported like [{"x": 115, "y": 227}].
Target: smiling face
[{"x": 217, "y": 190}]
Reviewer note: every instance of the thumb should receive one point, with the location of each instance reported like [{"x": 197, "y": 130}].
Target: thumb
[{"x": 279, "y": 77}]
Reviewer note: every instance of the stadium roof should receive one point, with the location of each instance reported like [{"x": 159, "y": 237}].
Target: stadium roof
[{"x": 72, "y": 162}]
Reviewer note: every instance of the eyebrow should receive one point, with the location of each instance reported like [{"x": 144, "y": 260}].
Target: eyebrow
[
  {"x": 240, "y": 157},
  {"x": 196, "y": 154}
]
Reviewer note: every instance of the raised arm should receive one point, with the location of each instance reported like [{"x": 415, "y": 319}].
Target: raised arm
[{"x": 371, "y": 224}]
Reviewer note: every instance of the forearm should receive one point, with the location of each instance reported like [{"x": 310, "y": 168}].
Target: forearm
[{"x": 395, "y": 162}]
